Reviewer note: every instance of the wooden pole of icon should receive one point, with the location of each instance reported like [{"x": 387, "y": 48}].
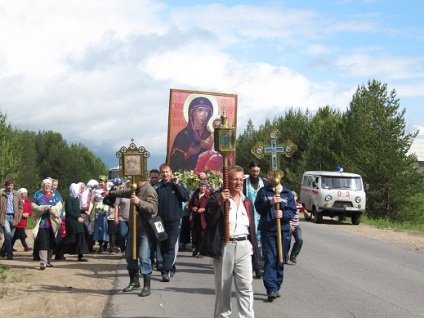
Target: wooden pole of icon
[
  {"x": 259, "y": 150},
  {"x": 134, "y": 221},
  {"x": 226, "y": 202}
]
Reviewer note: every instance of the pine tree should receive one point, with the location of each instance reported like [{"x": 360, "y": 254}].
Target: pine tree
[{"x": 376, "y": 145}]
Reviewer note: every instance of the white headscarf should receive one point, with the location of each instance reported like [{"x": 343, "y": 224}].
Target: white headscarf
[
  {"x": 46, "y": 181},
  {"x": 74, "y": 189},
  {"x": 92, "y": 184}
]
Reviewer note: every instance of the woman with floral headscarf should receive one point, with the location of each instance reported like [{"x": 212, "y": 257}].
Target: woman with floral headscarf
[
  {"x": 46, "y": 208},
  {"x": 75, "y": 240}
]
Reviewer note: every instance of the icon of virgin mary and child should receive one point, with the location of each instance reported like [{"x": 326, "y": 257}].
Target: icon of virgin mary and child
[{"x": 193, "y": 145}]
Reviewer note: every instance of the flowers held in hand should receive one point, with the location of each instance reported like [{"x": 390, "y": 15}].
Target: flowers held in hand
[{"x": 192, "y": 179}]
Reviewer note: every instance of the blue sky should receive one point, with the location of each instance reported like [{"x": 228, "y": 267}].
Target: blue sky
[{"x": 99, "y": 72}]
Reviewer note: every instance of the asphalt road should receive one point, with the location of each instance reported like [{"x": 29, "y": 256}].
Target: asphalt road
[{"x": 337, "y": 275}]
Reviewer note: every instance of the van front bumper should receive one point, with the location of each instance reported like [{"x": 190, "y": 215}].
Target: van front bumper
[{"x": 344, "y": 210}]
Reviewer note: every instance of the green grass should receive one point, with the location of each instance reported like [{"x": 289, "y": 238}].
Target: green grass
[
  {"x": 17, "y": 279},
  {"x": 396, "y": 226},
  {"x": 3, "y": 277},
  {"x": 31, "y": 223},
  {"x": 3, "y": 292},
  {"x": 3, "y": 273},
  {"x": 10, "y": 277}
]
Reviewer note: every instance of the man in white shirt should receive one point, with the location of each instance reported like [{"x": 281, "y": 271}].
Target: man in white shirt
[{"x": 232, "y": 260}]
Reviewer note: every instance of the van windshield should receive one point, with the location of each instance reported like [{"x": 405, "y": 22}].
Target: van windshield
[{"x": 341, "y": 183}]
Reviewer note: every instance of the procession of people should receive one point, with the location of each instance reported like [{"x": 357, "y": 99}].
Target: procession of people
[{"x": 251, "y": 248}]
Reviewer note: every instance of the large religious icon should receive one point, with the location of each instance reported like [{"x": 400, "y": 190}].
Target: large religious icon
[{"x": 192, "y": 118}]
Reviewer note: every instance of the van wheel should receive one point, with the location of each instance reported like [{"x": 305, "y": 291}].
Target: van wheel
[
  {"x": 356, "y": 218},
  {"x": 317, "y": 216}
]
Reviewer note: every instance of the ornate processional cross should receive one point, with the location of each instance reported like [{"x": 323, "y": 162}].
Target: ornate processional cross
[{"x": 274, "y": 150}]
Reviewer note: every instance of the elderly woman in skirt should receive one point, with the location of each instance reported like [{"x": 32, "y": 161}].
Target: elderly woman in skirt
[
  {"x": 46, "y": 208},
  {"x": 75, "y": 240}
]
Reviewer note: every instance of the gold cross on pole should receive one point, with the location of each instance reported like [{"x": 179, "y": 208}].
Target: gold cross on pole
[{"x": 274, "y": 150}]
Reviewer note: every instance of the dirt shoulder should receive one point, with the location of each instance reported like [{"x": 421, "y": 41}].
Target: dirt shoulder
[
  {"x": 69, "y": 289},
  {"x": 77, "y": 289}
]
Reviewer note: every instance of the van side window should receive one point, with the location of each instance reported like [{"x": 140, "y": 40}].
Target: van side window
[
  {"x": 310, "y": 179},
  {"x": 317, "y": 182}
]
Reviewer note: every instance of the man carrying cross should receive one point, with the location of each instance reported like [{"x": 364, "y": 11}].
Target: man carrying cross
[
  {"x": 265, "y": 202},
  {"x": 276, "y": 205}
]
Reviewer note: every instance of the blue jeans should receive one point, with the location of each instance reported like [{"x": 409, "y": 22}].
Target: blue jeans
[
  {"x": 8, "y": 231},
  {"x": 122, "y": 234},
  {"x": 168, "y": 247},
  {"x": 273, "y": 269},
  {"x": 144, "y": 244},
  {"x": 298, "y": 242}
]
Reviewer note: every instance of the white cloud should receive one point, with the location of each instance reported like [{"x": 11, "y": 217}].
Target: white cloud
[
  {"x": 37, "y": 36},
  {"x": 100, "y": 72},
  {"x": 412, "y": 89},
  {"x": 388, "y": 67},
  {"x": 235, "y": 24}
]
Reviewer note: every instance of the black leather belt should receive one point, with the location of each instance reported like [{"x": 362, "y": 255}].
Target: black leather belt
[{"x": 238, "y": 238}]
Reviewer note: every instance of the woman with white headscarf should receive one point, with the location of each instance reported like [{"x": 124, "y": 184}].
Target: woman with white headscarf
[
  {"x": 86, "y": 206},
  {"x": 46, "y": 208},
  {"x": 20, "y": 233},
  {"x": 75, "y": 240}
]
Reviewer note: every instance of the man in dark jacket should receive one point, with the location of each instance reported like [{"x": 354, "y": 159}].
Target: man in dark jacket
[
  {"x": 171, "y": 195},
  {"x": 233, "y": 259},
  {"x": 265, "y": 205}
]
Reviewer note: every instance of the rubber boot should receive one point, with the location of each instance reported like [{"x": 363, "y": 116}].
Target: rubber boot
[
  {"x": 146, "y": 289},
  {"x": 134, "y": 281}
]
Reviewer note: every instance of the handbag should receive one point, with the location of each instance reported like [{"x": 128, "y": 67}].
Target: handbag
[{"x": 156, "y": 225}]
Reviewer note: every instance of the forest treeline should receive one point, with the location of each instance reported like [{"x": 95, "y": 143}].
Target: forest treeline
[
  {"x": 369, "y": 138},
  {"x": 28, "y": 157}
]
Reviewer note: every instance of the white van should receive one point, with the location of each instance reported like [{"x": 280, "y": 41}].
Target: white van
[{"x": 333, "y": 193}]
